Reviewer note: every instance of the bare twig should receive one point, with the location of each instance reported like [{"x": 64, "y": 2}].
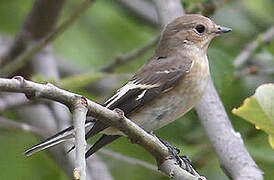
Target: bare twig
[
  {"x": 263, "y": 38},
  {"x": 228, "y": 144},
  {"x": 9, "y": 101},
  {"x": 44, "y": 63},
  {"x": 127, "y": 159},
  {"x": 8, "y": 123},
  {"x": 79, "y": 118},
  {"x": 25, "y": 56},
  {"x": 214, "y": 118},
  {"x": 121, "y": 60},
  {"x": 168, "y": 10},
  {"x": 142, "y": 9},
  {"x": 38, "y": 24},
  {"x": 33, "y": 115},
  {"x": 115, "y": 118},
  {"x": 41, "y": 116},
  {"x": 254, "y": 70},
  {"x": 98, "y": 169}
]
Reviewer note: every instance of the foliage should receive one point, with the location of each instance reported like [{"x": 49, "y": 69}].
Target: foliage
[{"x": 258, "y": 109}]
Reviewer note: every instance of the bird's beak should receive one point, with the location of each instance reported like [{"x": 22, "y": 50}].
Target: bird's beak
[{"x": 222, "y": 29}]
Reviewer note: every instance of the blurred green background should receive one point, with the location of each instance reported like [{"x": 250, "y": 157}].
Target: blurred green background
[{"x": 107, "y": 30}]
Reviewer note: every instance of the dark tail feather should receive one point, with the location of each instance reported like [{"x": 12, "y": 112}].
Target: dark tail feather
[
  {"x": 64, "y": 135},
  {"x": 96, "y": 128},
  {"x": 104, "y": 140}
]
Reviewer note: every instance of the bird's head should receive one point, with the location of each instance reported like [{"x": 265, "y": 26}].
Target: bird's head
[{"x": 189, "y": 32}]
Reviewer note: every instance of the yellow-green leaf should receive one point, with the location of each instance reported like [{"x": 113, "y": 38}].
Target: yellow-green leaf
[{"x": 259, "y": 110}]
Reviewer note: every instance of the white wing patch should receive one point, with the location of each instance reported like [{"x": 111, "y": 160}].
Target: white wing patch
[
  {"x": 123, "y": 90},
  {"x": 166, "y": 71},
  {"x": 141, "y": 95}
]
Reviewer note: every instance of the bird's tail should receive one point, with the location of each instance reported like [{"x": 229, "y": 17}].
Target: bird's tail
[
  {"x": 104, "y": 140},
  {"x": 64, "y": 135}
]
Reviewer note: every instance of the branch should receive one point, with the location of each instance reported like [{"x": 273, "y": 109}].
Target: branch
[
  {"x": 121, "y": 60},
  {"x": 254, "y": 70},
  {"x": 214, "y": 118},
  {"x": 142, "y": 9},
  {"x": 263, "y": 38},
  {"x": 11, "y": 101},
  {"x": 168, "y": 10},
  {"x": 115, "y": 118},
  {"x": 22, "y": 59},
  {"x": 43, "y": 127},
  {"x": 228, "y": 144},
  {"x": 79, "y": 118},
  {"x": 38, "y": 24},
  {"x": 98, "y": 169},
  {"x": 128, "y": 160},
  {"x": 32, "y": 115},
  {"x": 7, "y": 123},
  {"x": 44, "y": 11}
]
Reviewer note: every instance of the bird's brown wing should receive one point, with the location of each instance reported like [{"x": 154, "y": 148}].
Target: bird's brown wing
[{"x": 152, "y": 80}]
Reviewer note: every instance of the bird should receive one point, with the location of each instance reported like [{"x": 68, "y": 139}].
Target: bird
[{"x": 165, "y": 88}]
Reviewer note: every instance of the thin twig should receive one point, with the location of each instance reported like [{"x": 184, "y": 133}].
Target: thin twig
[
  {"x": 8, "y": 123},
  {"x": 121, "y": 60},
  {"x": 79, "y": 113},
  {"x": 168, "y": 10},
  {"x": 41, "y": 116},
  {"x": 127, "y": 159},
  {"x": 98, "y": 169},
  {"x": 114, "y": 118},
  {"x": 244, "y": 55},
  {"x": 10, "y": 101},
  {"x": 25, "y": 57},
  {"x": 142, "y": 8},
  {"x": 254, "y": 70},
  {"x": 39, "y": 22}
]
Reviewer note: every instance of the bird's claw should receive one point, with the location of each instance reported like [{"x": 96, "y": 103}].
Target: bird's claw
[
  {"x": 174, "y": 151},
  {"x": 186, "y": 161}
]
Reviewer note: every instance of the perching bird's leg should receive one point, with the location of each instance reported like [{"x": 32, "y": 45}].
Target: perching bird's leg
[{"x": 174, "y": 151}]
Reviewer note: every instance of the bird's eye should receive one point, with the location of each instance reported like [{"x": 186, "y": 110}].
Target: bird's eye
[{"x": 200, "y": 28}]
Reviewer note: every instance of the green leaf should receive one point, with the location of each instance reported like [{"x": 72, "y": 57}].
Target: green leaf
[{"x": 259, "y": 110}]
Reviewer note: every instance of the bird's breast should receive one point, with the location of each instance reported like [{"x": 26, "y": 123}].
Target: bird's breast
[{"x": 176, "y": 102}]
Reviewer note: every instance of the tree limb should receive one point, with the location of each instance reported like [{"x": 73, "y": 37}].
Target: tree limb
[
  {"x": 8, "y": 123},
  {"x": 127, "y": 159},
  {"x": 115, "y": 118},
  {"x": 24, "y": 57},
  {"x": 38, "y": 24},
  {"x": 79, "y": 118},
  {"x": 227, "y": 143},
  {"x": 263, "y": 38},
  {"x": 10, "y": 101},
  {"x": 214, "y": 118},
  {"x": 142, "y": 9}
]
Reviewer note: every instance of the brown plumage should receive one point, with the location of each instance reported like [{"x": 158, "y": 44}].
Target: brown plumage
[{"x": 167, "y": 86}]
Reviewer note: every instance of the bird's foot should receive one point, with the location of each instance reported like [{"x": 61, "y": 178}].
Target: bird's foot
[{"x": 174, "y": 151}]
